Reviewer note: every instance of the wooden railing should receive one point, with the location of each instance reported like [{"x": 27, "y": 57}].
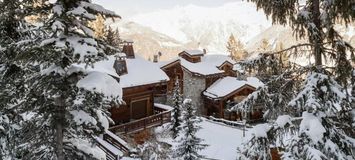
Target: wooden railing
[
  {"x": 112, "y": 146},
  {"x": 109, "y": 154},
  {"x": 144, "y": 123},
  {"x": 116, "y": 143}
]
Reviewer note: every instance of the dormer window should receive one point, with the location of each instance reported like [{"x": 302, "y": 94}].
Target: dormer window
[{"x": 193, "y": 56}]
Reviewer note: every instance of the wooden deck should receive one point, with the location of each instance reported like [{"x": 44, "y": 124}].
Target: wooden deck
[
  {"x": 115, "y": 147},
  {"x": 142, "y": 124}
]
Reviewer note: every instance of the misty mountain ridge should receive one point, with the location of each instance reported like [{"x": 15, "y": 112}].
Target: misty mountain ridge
[{"x": 190, "y": 27}]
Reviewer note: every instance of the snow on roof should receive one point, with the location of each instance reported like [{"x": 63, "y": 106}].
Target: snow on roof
[
  {"x": 140, "y": 71},
  {"x": 195, "y": 52},
  {"x": 227, "y": 85},
  {"x": 101, "y": 83},
  {"x": 209, "y": 64},
  {"x": 163, "y": 106}
]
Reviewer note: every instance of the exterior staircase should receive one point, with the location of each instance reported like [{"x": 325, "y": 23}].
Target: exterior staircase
[{"x": 114, "y": 147}]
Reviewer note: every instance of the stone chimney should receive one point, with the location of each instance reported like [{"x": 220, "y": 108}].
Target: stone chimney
[
  {"x": 120, "y": 64},
  {"x": 128, "y": 48}
]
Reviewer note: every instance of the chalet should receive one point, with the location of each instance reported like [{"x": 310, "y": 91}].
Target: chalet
[
  {"x": 229, "y": 91},
  {"x": 142, "y": 83},
  {"x": 196, "y": 71}
]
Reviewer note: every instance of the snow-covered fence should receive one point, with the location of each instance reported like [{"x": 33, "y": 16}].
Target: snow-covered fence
[{"x": 230, "y": 123}]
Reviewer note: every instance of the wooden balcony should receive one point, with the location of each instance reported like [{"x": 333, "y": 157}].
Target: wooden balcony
[{"x": 161, "y": 116}]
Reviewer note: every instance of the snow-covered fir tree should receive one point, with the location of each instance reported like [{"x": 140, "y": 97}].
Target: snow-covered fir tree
[
  {"x": 189, "y": 144},
  {"x": 112, "y": 39},
  {"x": 15, "y": 35},
  {"x": 153, "y": 149},
  {"x": 68, "y": 109},
  {"x": 236, "y": 48},
  {"x": 312, "y": 100},
  {"x": 177, "y": 102}
]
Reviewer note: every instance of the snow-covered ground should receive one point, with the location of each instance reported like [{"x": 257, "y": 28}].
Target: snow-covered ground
[{"x": 223, "y": 140}]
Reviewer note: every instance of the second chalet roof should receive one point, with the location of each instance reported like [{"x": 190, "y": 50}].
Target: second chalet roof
[
  {"x": 195, "y": 52},
  {"x": 227, "y": 85},
  {"x": 209, "y": 64},
  {"x": 140, "y": 72}
]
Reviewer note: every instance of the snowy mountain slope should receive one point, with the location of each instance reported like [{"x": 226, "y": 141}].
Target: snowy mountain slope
[
  {"x": 191, "y": 27},
  {"x": 210, "y": 27},
  {"x": 148, "y": 42}
]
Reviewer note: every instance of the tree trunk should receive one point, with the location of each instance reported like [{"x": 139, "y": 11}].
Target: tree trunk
[
  {"x": 59, "y": 141},
  {"x": 59, "y": 120},
  {"x": 317, "y": 37}
]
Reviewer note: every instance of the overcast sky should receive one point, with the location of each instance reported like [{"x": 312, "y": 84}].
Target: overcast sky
[{"x": 128, "y": 8}]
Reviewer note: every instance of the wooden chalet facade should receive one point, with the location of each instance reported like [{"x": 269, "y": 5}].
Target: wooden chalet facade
[
  {"x": 227, "y": 92},
  {"x": 141, "y": 81},
  {"x": 139, "y": 102},
  {"x": 174, "y": 71},
  {"x": 200, "y": 73},
  {"x": 196, "y": 71}
]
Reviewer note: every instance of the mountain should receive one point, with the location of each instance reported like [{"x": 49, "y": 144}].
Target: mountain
[
  {"x": 209, "y": 27},
  {"x": 148, "y": 42},
  {"x": 190, "y": 27}
]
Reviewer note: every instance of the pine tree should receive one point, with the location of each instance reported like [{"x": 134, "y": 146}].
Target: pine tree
[
  {"x": 315, "y": 94},
  {"x": 236, "y": 48},
  {"x": 15, "y": 34},
  {"x": 189, "y": 144},
  {"x": 112, "y": 39},
  {"x": 177, "y": 105},
  {"x": 66, "y": 113}
]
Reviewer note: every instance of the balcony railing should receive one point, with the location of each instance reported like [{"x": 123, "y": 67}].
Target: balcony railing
[{"x": 160, "y": 117}]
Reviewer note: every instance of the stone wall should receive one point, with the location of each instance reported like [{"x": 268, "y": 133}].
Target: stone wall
[{"x": 193, "y": 87}]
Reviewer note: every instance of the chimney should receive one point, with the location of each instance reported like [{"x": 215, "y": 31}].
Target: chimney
[
  {"x": 128, "y": 48},
  {"x": 204, "y": 51},
  {"x": 155, "y": 59},
  {"x": 120, "y": 64}
]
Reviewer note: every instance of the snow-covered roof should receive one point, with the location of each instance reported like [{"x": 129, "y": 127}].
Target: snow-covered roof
[
  {"x": 101, "y": 83},
  {"x": 195, "y": 52},
  {"x": 140, "y": 71},
  {"x": 209, "y": 64},
  {"x": 227, "y": 85}
]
